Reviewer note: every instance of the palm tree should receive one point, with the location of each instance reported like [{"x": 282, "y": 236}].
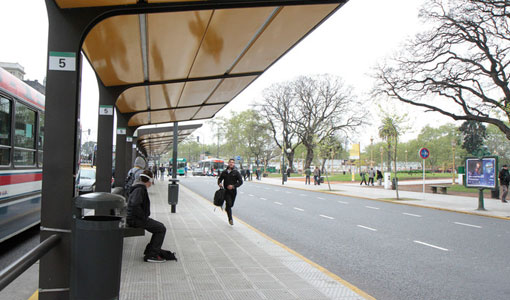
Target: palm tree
[{"x": 389, "y": 132}]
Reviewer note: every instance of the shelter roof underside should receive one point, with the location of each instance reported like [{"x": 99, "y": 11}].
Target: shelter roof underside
[
  {"x": 157, "y": 141},
  {"x": 187, "y": 65}
]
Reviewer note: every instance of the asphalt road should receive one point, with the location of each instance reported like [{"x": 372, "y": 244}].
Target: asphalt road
[
  {"x": 15, "y": 247},
  {"x": 390, "y": 251}
]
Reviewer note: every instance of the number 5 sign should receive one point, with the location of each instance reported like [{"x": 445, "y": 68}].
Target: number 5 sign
[{"x": 62, "y": 61}]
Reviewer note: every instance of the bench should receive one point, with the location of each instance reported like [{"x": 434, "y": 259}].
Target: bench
[
  {"x": 441, "y": 188},
  {"x": 127, "y": 230}
]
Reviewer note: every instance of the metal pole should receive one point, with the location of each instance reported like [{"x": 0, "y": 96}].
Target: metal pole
[
  {"x": 424, "y": 176},
  {"x": 480, "y": 200},
  {"x": 174, "y": 153}
]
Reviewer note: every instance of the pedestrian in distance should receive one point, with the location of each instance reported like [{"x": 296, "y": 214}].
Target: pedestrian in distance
[
  {"x": 316, "y": 176},
  {"x": 379, "y": 177},
  {"x": 363, "y": 175},
  {"x": 243, "y": 173},
  {"x": 308, "y": 172},
  {"x": 248, "y": 174},
  {"x": 162, "y": 171},
  {"x": 371, "y": 175},
  {"x": 288, "y": 172},
  {"x": 138, "y": 212},
  {"x": 504, "y": 180},
  {"x": 231, "y": 180}
]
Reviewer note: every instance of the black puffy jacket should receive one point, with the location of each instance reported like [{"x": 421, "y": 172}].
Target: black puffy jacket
[
  {"x": 504, "y": 177},
  {"x": 139, "y": 205},
  {"x": 233, "y": 178}
]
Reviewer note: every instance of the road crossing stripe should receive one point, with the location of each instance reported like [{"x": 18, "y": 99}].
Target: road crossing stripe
[
  {"x": 429, "y": 245},
  {"x": 412, "y": 215},
  {"x": 327, "y": 217},
  {"x": 279, "y": 203},
  {"x": 464, "y": 224},
  {"x": 365, "y": 227},
  {"x": 371, "y": 207},
  {"x": 300, "y": 209}
]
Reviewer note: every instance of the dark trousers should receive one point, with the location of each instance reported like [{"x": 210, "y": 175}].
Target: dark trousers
[
  {"x": 307, "y": 179},
  {"x": 158, "y": 231},
  {"x": 371, "y": 179},
  {"x": 363, "y": 179},
  {"x": 230, "y": 198}
]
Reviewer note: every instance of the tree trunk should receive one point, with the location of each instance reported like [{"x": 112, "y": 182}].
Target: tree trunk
[
  {"x": 290, "y": 158},
  {"x": 323, "y": 168},
  {"x": 309, "y": 157},
  {"x": 389, "y": 157}
]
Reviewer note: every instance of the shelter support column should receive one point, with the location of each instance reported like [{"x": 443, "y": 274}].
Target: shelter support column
[
  {"x": 129, "y": 148},
  {"x": 120, "y": 150}
]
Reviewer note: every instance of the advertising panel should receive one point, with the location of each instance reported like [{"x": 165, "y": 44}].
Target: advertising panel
[{"x": 481, "y": 173}]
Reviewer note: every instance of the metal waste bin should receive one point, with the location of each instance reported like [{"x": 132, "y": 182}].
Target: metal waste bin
[
  {"x": 495, "y": 194},
  {"x": 173, "y": 193},
  {"x": 284, "y": 177},
  {"x": 394, "y": 183},
  {"x": 97, "y": 242}
]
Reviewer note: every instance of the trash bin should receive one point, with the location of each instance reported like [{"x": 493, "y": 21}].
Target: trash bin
[
  {"x": 495, "y": 194},
  {"x": 173, "y": 193},
  {"x": 284, "y": 177},
  {"x": 97, "y": 241},
  {"x": 394, "y": 183},
  {"x": 387, "y": 178}
]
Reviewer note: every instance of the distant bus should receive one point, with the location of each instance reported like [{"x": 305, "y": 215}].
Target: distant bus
[
  {"x": 181, "y": 164},
  {"x": 21, "y": 145},
  {"x": 206, "y": 167}
]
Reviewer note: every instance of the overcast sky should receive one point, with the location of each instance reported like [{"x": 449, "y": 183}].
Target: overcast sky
[{"x": 348, "y": 44}]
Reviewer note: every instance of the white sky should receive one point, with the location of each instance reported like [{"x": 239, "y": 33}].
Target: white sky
[{"x": 348, "y": 45}]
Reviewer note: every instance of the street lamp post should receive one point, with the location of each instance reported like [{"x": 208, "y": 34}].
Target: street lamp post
[
  {"x": 406, "y": 159},
  {"x": 382, "y": 161},
  {"x": 453, "y": 166},
  {"x": 371, "y": 152}
]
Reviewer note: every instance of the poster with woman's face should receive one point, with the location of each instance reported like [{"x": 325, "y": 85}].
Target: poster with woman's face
[{"x": 481, "y": 172}]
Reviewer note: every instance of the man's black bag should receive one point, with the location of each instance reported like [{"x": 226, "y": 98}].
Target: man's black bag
[{"x": 219, "y": 197}]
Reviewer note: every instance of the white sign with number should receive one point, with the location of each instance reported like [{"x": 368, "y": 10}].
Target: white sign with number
[
  {"x": 121, "y": 130},
  {"x": 62, "y": 61},
  {"x": 129, "y": 139},
  {"x": 106, "y": 110}
]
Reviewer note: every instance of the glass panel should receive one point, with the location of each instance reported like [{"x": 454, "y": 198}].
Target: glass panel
[
  {"x": 24, "y": 134},
  {"x": 41, "y": 131},
  {"x": 5, "y": 121},
  {"x": 24, "y": 157},
  {"x": 40, "y": 162},
  {"x": 5, "y": 156}
]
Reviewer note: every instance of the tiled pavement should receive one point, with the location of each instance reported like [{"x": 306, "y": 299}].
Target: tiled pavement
[{"x": 219, "y": 261}]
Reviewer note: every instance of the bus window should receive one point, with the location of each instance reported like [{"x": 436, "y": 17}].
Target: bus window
[
  {"x": 24, "y": 136},
  {"x": 5, "y": 131}
]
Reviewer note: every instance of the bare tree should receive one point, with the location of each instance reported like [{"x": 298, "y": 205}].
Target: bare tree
[
  {"x": 324, "y": 106},
  {"x": 277, "y": 108},
  {"x": 459, "y": 67}
]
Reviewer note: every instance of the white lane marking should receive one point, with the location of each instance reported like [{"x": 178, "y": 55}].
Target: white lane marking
[
  {"x": 267, "y": 188},
  {"x": 464, "y": 224},
  {"x": 279, "y": 203},
  {"x": 327, "y": 217},
  {"x": 412, "y": 215},
  {"x": 300, "y": 209},
  {"x": 263, "y": 199},
  {"x": 440, "y": 248},
  {"x": 321, "y": 198},
  {"x": 343, "y": 202},
  {"x": 242, "y": 192},
  {"x": 287, "y": 192},
  {"x": 365, "y": 227},
  {"x": 302, "y": 195},
  {"x": 371, "y": 207},
  {"x": 250, "y": 195}
]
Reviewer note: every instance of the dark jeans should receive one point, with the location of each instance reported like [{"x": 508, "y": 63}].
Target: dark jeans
[
  {"x": 363, "y": 179},
  {"x": 158, "y": 231},
  {"x": 504, "y": 192},
  {"x": 307, "y": 179},
  {"x": 230, "y": 198},
  {"x": 371, "y": 179}
]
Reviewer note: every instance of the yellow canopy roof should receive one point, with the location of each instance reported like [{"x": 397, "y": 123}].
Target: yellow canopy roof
[{"x": 187, "y": 65}]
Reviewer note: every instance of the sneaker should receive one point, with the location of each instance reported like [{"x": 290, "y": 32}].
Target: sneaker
[
  {"x": 231, "y": 222},
  {"x": 504, "y": 201},
  {"x": 154, "y": 259}
]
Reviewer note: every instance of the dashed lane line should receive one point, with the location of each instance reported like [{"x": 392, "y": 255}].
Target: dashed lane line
[
  {"x": 371, "y": 207},
  {"x": 430, "y": 245},
  {"x": 300, "y": 209},
  {"x": 321, "y": 198},
  {"x": 365, "y": 227},
  {"x": 302, "y": 195},
  {"x": 412, "y": 215},
  {"x": 250, "y": 195},
  {"x": 469, "y": 225},
  {"x": 279, "y": 203},
  {"x": 327, "y": 217},
  {"x": 263, "y": 199},
  {"x": 343, "y": 202}
]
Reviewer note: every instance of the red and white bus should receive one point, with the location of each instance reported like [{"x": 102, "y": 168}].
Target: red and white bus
[{"x": 21, "y": 145}]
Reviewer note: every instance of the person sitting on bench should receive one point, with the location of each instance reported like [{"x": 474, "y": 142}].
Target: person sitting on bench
[{"x": 138, "y": 212}]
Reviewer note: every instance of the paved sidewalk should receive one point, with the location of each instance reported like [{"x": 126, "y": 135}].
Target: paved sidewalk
[
  {"x": 219, "y": 261},
  {"x": 494, "y": 207}
]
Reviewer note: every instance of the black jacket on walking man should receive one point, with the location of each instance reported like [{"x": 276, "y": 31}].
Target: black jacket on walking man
[
  {"x": 138, "y": 212},
  {"x": 231, "y": 179},
  {"x": 504, "y": 180}
]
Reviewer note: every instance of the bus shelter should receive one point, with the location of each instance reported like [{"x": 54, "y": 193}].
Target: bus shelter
[{"x": 156, "y": 62}]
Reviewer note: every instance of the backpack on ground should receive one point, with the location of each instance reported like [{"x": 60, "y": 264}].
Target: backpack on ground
[{"x": 219, "y": 197}]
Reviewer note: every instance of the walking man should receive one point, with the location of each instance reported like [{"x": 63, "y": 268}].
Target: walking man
[
  {"x": 316, "y": 176},
  {"x": 371, "y": 175},
  {"x": 363, "y": 175},
  {"x": 231, "y": 179},
  {"x": 504, "y": 180}
]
